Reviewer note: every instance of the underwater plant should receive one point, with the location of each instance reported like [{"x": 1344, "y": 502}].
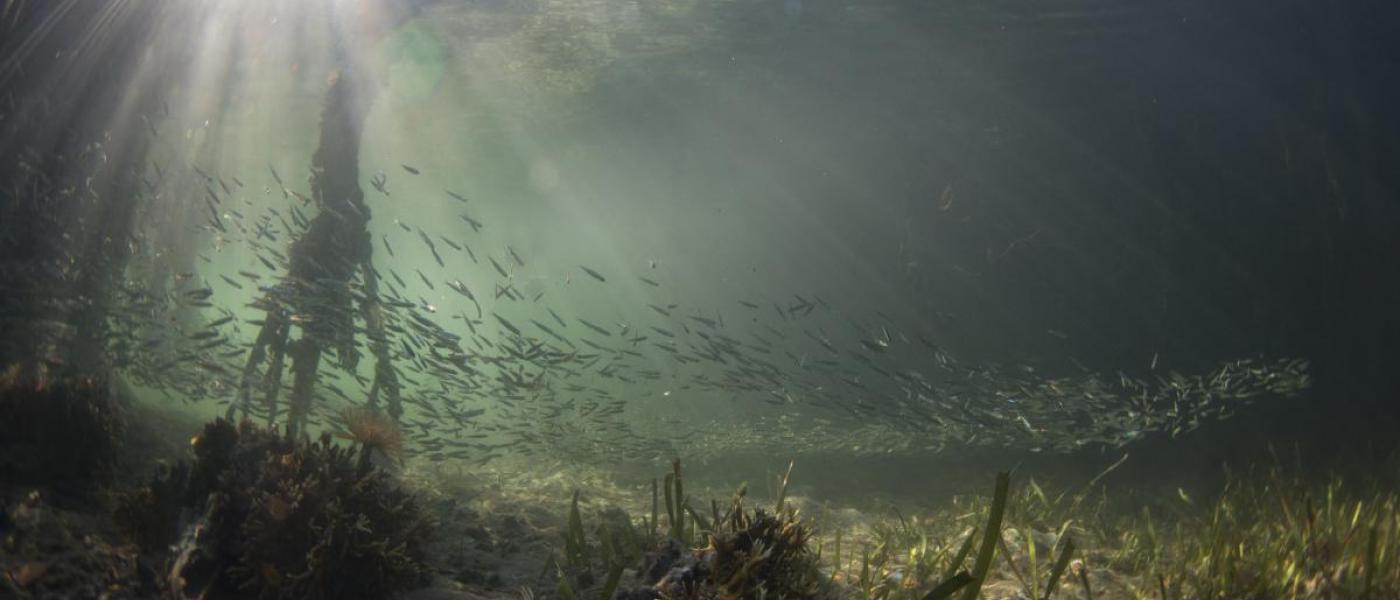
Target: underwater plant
[
  {"x": 765, "y": 554},
  {"x": 1265, "y": 536},
  {"x": 747, "y": 553},
  {"x": 1269, "y": 537},
  {"x": 918, "y": 559},
  {"x": 280, "y": 517}
]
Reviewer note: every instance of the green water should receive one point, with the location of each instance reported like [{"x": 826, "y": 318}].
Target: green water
[{"x": 905, "y": 244}]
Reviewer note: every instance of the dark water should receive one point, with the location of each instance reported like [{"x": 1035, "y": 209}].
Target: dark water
[{"x": 1040, "y": 190}]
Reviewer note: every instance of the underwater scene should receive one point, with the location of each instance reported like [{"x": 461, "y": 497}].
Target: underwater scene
[{"x": 699, "y": 299}]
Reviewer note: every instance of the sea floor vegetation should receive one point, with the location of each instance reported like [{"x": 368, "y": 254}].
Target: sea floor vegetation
[
  {"x": 373, "y": 521},
  {"x": 1267, "y": 534}
]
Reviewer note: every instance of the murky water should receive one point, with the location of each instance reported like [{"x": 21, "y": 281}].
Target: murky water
[{"x": 903, "y": 244}]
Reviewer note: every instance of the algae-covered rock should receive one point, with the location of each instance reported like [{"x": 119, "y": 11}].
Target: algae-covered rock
[
  {"x": 750, "y": 554},
  {"x": 58, "y": 431},
  {"x": 765, "y": 555},
  {"x": 47, "y": 551},
  {"x": 268, "y": 515}
]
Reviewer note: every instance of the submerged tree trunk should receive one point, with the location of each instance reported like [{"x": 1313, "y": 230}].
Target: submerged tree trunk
[
  {"x": 334, "y": 249},
  {"x": 72, "y": 152}
]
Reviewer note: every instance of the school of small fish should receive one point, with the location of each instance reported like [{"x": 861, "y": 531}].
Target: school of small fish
[{"x": 504, "y": 372}]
